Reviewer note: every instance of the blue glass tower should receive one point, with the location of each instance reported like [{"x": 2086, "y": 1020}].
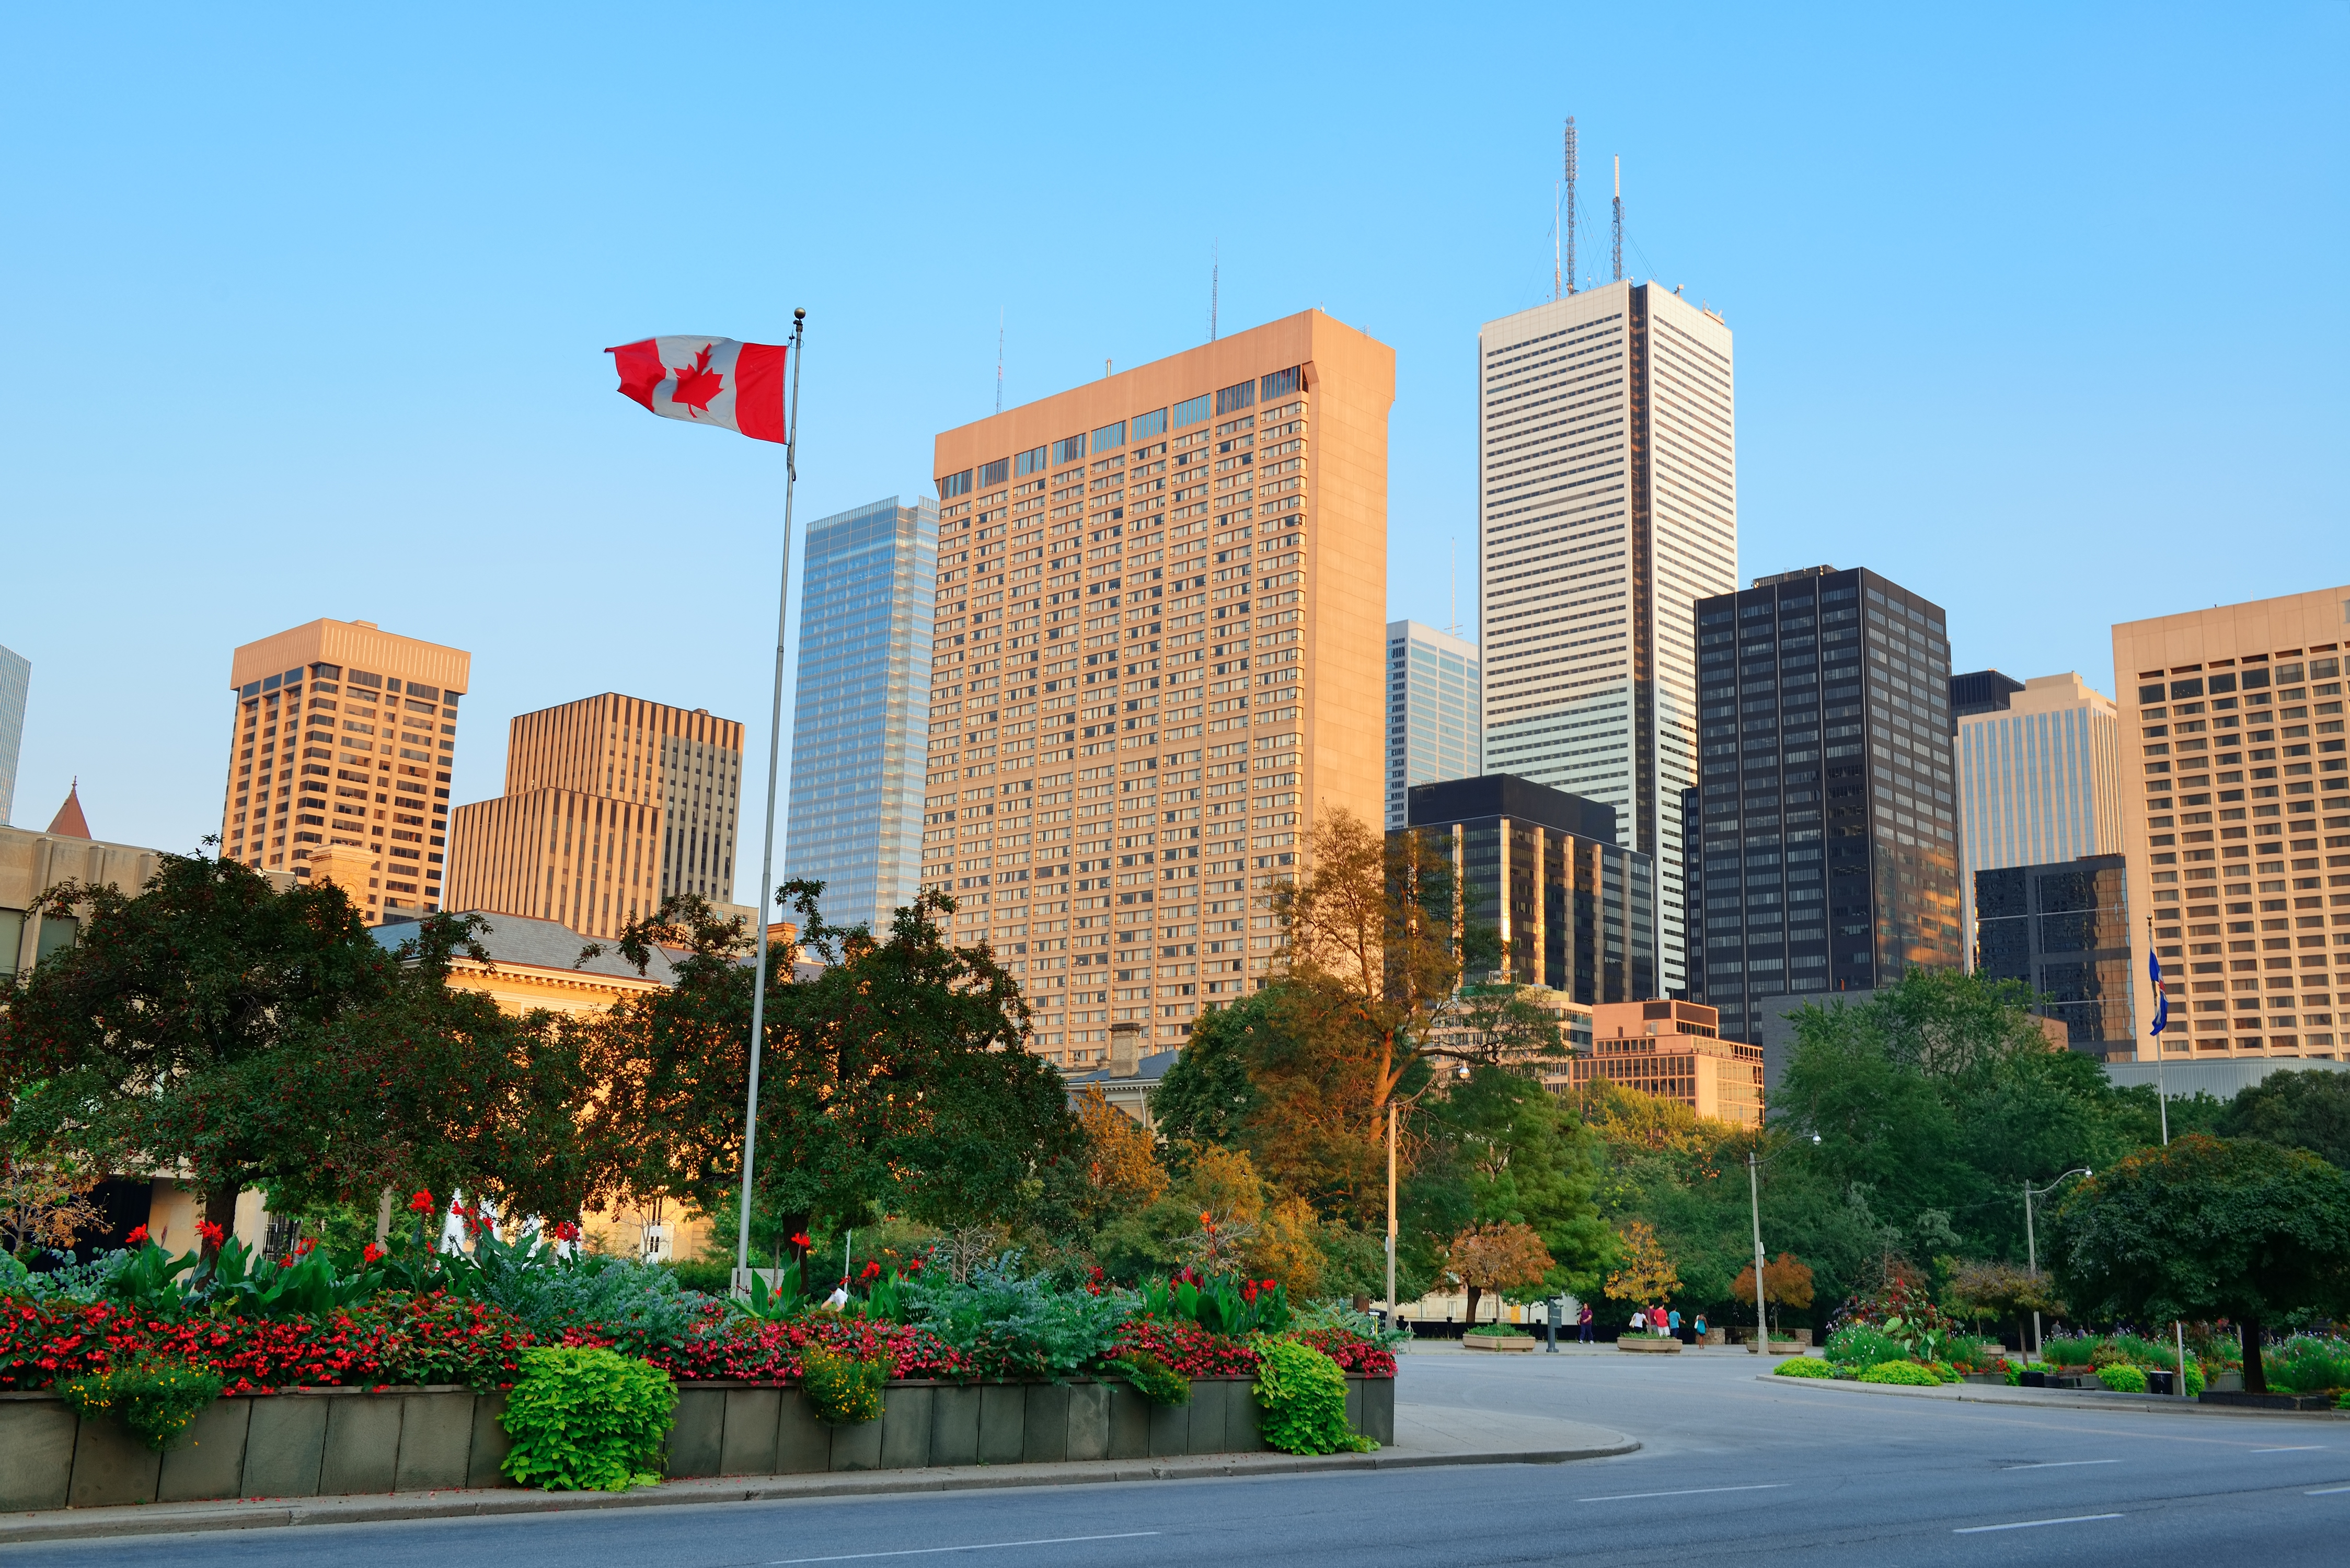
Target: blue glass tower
[{"x": 860, "y": 714}]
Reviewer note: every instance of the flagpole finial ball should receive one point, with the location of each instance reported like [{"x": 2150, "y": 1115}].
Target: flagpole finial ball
[{"x": 799, "y": 316}]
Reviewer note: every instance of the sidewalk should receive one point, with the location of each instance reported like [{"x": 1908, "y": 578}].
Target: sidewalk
[
  {"x": 1426, "y": 1435},
  {"x": 2052, "y": 1398}
]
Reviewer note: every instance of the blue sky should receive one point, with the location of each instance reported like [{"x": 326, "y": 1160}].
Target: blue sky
[{"x": 2039, "y": 311}]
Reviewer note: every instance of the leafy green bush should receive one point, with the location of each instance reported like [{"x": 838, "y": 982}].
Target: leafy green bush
[
  {"x": 156, "y": 1399},
  {"x": 2308, "y": 1364},
  {"x": 1304, "y": 1395},
  {"x": 1802, "y": 1367},
  {"x": 1155, "y": 1380},
  {"x": 588, "y": 1420},
  {"x": 638, "y": 1306},
  {"x": 1859, "y": 1344},
  {"x": 2139, "y": 1351},
  {"x": 1498, "y": 1331},
  {"x": 1015, "y": 1324},
  {"x": 2071, "y": 1350},
  {"x": 2194, "y": 1380},
  {"x": 2123, "y": 1378},
  {"x": 1339, "y": 1315},
  {"x": 1908, "y": 1374}
]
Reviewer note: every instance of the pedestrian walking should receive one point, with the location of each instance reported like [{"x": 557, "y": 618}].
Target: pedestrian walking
[
  {"x": 1673, "y": 1323},
  {"x": 1639, "y": 1320},
  {"x": 1698, "y": 1335},
  {"x": 1582, "y": 1320}
]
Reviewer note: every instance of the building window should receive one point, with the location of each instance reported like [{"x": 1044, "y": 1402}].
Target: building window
[
  {"x": 1192, "y": 411},
  {"x": 1069, "y": 450},
  {"x": 954, "y": 484}
]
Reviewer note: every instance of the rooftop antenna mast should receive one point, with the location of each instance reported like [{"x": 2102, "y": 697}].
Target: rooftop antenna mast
[
  {"x": 1215, "y": 271},
  {"x": 1569, "y": 223},
  {"x": 1619, "y": 217},
  {"x": 999, "y": 359}
]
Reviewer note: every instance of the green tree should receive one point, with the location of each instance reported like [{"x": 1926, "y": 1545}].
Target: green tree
[
  {"x": 2306, "y": 1109},
  {"x": 893, "y": 1079},
  {"x": 1524, "y": 1158},
  {"x": 1209, "y": 1095},
  {"x": 2208, "y": 1227}
]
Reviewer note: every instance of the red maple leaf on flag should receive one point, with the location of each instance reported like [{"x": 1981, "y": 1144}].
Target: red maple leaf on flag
[{"x": 697, "y": 384}]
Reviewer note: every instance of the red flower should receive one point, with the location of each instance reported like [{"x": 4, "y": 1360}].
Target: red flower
[
  {"x": 914, "y": 1265},
  {"x": 137, "y": 1238},
  {"x": 871, "y": 1272},
  {"x": 369, "y": 1253},
  {"x": 800, "y": 1240},
  {"x": 420, "y": 1204},
  {"x": 564, "y": 1230},
  {"x": 1248, "y": 1289},
  {"x": 209, "y": 1233}
]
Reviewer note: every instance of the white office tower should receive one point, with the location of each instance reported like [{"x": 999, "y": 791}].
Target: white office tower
[
  {"x": 2039, "y": 783},
  {"x": 1435, "y": 731},
  {"x": 1607, "y": 506}
]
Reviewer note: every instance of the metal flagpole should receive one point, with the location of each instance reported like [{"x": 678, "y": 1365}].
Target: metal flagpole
[{"x": 767, "y": 848}]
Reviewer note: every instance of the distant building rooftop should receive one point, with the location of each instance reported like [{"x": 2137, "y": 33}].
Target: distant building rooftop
[{"x": 1507, "y": 795}]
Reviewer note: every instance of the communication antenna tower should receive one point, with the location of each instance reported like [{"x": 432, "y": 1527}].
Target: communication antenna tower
[
  {"x": 1619, "y": 218},
  {"x": 1569, "y": 223}
]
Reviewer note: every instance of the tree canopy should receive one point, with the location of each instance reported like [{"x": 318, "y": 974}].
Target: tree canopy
[
  {"x": 2208, "y": 1227},
  {"x": 2306, "y": 1109}
]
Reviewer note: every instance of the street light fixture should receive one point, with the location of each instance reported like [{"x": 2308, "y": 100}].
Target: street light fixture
[
  {"x": 1762, "y": 1344},
  {"x": 2031, "y": 1244}
]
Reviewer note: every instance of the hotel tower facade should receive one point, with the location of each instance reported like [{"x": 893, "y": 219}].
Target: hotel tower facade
[{"x": 1156, "y": 660}]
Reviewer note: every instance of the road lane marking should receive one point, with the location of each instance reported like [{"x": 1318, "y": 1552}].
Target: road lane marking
[
  {"x": 2059, "y": 1464},
  {"x": 2034, "y": 1523},
  {"x": 976, "y": 1546},
  {"x": 1688, "y": 1492},
  {"x": 2295, "y": 1449},
  {"x": 2325, "y": 1491}
]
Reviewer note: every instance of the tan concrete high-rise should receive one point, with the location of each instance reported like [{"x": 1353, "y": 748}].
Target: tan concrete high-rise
[
  {"x": 2237, "y": 827},
  {"x": 611, "y": 804},
  {"x": 374, "y": 716},
  {"x": 1158, "y": 659}
]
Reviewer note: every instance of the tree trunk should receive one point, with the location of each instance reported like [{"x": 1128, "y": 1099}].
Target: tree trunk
[
  {"x": 220, "y": 1207},
  {"x": 1474, "y": 1291},
  {"x": 2256, "y": 1376}
]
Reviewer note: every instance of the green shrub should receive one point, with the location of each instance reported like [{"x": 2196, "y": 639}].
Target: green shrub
[
  {"x": 156, "y": 1399},
  {"x": 1498, "y": 1331},
  {"x": 2308, "y": 1364},
  {"x": 844, "y": 1390},
  {"x": 588, "y": 1420},
  {"x": 1155, "y": 1380},
  {"x": 2140, "y": 1351},
  {"x": 1859, "y": 1344},
  {"x": 2123, "y": 1378},
  {"x": 1802, "y": 1367},
  {"x": 2072, "y": 1350},
  {"x": 1908, "y": 1374},
  {"x": 1304, "y": 1395},
  {"x": 1015, "y": 1324},
  {"x": 2194, "y": 1380}
]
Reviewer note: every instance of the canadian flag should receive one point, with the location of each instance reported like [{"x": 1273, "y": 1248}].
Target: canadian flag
[{"x": 716, "y": 381}]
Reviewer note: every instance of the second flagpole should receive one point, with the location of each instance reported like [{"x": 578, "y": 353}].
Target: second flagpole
[{"x": 768, "y": 845}]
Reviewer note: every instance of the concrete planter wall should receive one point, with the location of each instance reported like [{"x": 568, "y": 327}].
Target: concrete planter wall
[{"x": 322, "y": 1442}]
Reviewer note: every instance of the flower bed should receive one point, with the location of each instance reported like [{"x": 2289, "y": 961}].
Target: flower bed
[{"x": 719, "y": 1346}]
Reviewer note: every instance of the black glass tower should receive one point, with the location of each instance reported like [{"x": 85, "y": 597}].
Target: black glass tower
[
  {"x": 1828, "y": 830},
  {"x": 2063, "y": 931}
]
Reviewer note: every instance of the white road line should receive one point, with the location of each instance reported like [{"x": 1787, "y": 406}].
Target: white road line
[
  {"x": 2295, "y": 1449},
  {"x": 976, "y": 1546},
  {"x": 2060, "y": 1464},
  {"x": 1689, "y": 1491},
  {"x": 2034, "y": 1523},
  {"x": 2325, "y": 1491}
]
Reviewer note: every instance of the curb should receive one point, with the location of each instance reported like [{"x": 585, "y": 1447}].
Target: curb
[
  {"x": 154, "y": 1519},
  {"x": 2052, "y": 1399}
]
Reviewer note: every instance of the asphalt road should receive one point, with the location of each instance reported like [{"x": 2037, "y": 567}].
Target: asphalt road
[{"x": 1733, "y": 1471}]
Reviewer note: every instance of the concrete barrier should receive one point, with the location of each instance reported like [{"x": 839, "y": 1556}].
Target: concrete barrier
[{"x": 315, "y": 1442}]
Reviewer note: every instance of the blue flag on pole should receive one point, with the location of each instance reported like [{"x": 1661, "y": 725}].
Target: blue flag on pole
[{"x": 2161, "y": 1002}]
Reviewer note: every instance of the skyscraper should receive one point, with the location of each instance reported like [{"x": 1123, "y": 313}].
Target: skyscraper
[
  {"x": 2238, "y": 827},
  {"x": 611, "y": 804},
  {"x": 1830, "y": 830},
  {"x": 375, "y": 716},
  {"x": 1434, "y": 696},
  {"x": 1156, "y": 663},
  {"x": 2039, "y": 780},
  {"x": 16, "y": 685},
  {"x": 862, "y": 701},
  {"x": 2063, "y": 930},
  {"x": 1607, "y": 506}
]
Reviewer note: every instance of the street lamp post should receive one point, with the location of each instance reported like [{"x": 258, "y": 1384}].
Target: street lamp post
[
  {"x": 1755, "y": 1209},
  {"x": 2031, "y": 1244}
]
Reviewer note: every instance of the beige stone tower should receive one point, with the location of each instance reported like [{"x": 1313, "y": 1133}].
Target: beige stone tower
[
  {"x": 611, "y": 804},
  {"x": 1159, "y": 657},
  {"x": 2236, "y": 823},
  {"x": 373, "y": 717}
]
